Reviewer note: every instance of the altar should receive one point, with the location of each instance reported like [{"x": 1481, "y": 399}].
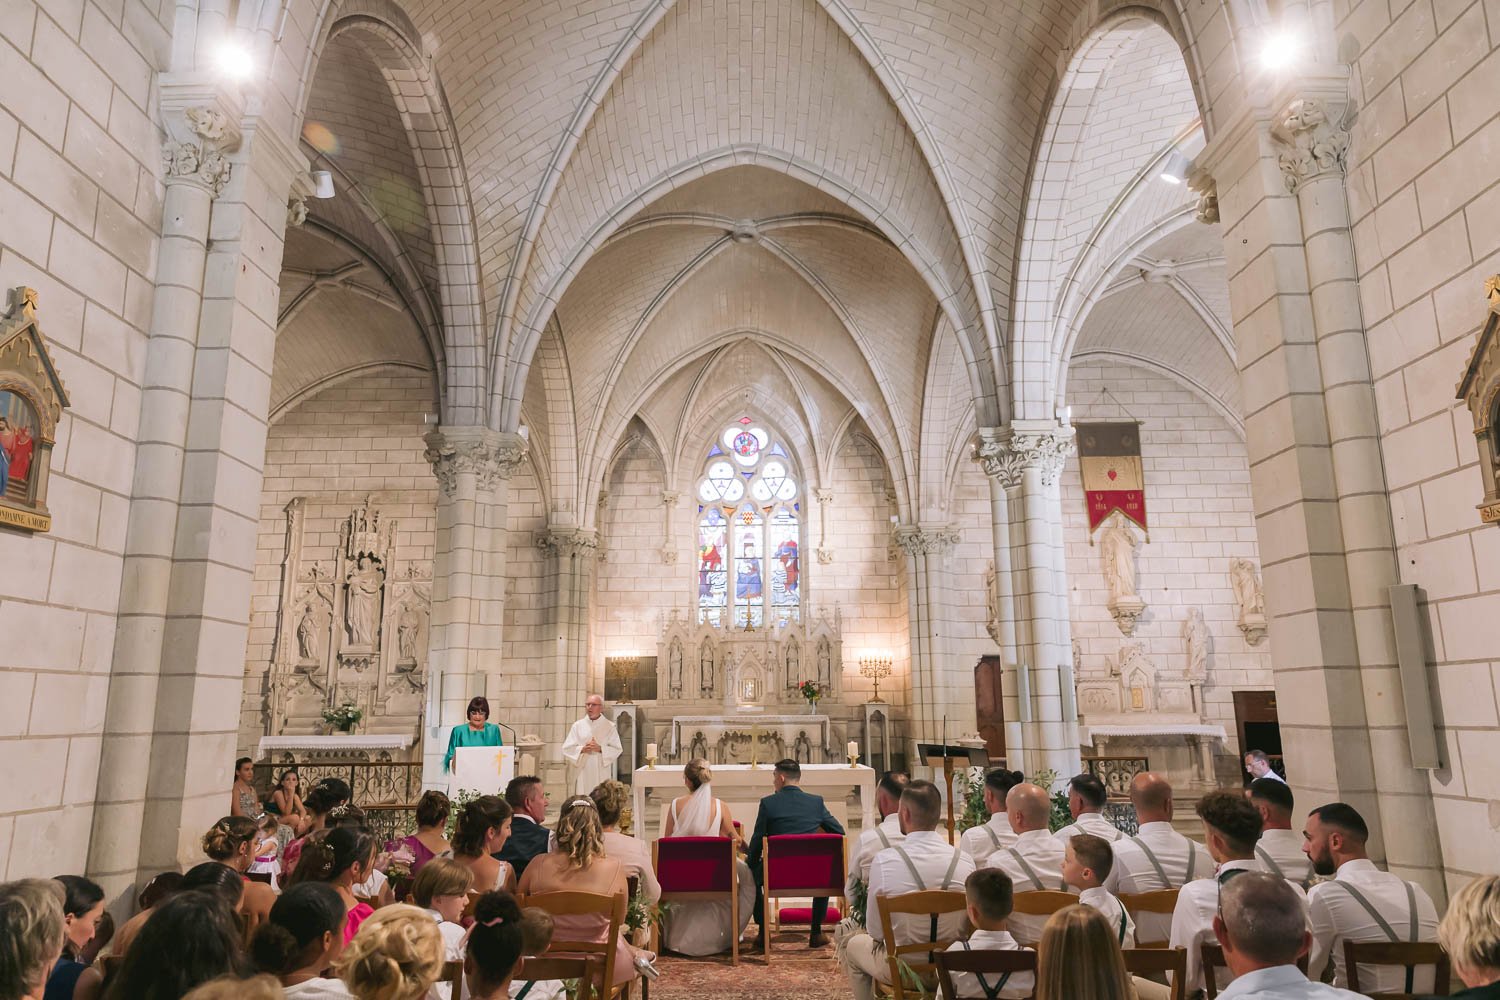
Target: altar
[
  {"x": 371, "y": 747},
  {"x": 727, "y": 739},
  {"x": 741, "y": 783}
]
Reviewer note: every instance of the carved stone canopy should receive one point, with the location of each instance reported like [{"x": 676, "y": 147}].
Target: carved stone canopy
[
  {"x": 32, "y": 399},
  {"x": 1479, "y": 389}
]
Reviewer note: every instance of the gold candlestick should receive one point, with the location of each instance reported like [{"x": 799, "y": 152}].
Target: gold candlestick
[
  {"x": 754, "y": 748},
  {"x": 854, "y": 760}
]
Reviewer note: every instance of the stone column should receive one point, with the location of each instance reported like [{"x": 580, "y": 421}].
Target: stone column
[
  {"x": 171, "y": 727},
  {"x": 669, "y": 501},
  {"x": 1321, "y": 501},
  {"x": 934, "y": 696},
  {"x": 1025, "y": 460},
  {"x": 1017, "y": 709},
  {"x": 825, "y": 501},
  {"x": 473, "y": 466},
  {"x": 572, "y": 553}
]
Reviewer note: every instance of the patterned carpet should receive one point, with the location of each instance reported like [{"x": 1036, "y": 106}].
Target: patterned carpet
[{"x": 795, "y": 972}]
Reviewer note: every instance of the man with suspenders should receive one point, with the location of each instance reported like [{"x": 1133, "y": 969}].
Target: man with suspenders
[
  {"x": 1280, "y": 847},
  {"x": 1361, "y": 903},
  {"x": 981, "y": 841},
  {"x": 1157, "y": 857},
  {"x": 887, "y": 833},
  {"x": 925, "y": 860},
  {"x": 1087, "y": 797},
  {"x": 1035, "y": 860}
]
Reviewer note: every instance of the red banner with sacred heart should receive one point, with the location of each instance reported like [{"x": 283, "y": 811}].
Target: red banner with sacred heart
[{"x": 1109, "y": 457}]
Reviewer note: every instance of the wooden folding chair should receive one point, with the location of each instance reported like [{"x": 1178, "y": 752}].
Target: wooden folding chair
[
  {"x": 697, "y": 869},
  {"x": 1158, "y": 961},
  {"x": 573, "y": 904},
  {"x": 984, "y": 963},
  {"x": 1407, "y": 954},
  {"x": 801, "y": 864},
  {"x": 928, "y": 903},
  {"x": 453, "y": 972},
  {"x": 1040, "y": 903},
  {"x": 583, "y": 968},
  {"x": 1159, "y": 901}
]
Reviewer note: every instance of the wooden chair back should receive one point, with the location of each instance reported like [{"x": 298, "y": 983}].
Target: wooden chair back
[
  {"x": 469, "y": 904},
  {"x": 453, "y": 972},
  {"x": 583, "y": 968},
  {"x": 920, "y": 956},
  {"x": 1408, "y": 954},
  {"x": 1159, "y": 901},
  {"x": 574, "y": 904},
  {"x": 1212, "y": 957},
  {"x": 801, "y": 864},
  {"x": 1156, "y": 962},
  {"x": 983, "y": 963},
  {"x": 696, "y": 869}
]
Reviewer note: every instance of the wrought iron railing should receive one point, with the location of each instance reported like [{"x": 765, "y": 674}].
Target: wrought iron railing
[
  {"x": 1116, "y": 772},
  {"x": 386, "y": 790}
]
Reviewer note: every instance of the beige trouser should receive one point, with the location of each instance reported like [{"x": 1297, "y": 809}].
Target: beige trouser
[
  {"x": 1145, "y": 989},
  {"x": 864, "y": 959}
]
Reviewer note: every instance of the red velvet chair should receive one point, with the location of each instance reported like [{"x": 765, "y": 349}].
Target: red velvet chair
[
  {"x": 802, "y": 864},
  {"x": 698, "y": 869}
]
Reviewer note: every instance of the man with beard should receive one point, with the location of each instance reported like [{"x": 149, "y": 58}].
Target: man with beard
[{"x": 1361, "y": 903}]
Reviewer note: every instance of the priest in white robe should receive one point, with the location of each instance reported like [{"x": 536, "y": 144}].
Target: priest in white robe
[{"x": 592, "y": 747}]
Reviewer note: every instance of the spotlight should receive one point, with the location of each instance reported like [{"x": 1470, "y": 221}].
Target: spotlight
[
  {"x": 1174, "y": 170},
  {"x": 1279, "y": 51},
  {"x": 322, "y": 183},
  {"x": 235, "y": 61}
]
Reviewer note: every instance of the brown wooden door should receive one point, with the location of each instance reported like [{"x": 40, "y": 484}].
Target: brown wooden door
[
  {"x": 990, "y": 702},
  {"x": 1256, "y": 725}
]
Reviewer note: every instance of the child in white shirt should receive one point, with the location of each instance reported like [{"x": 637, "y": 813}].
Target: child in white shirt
[
  {"x": 442, "y": 889},
  {"x": 1086, "y": 865},
  {"x": 536, "y": 937},
  {"x": 989, "y": 896}
]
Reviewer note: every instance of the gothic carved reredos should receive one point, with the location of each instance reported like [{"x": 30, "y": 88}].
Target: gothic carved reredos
[
  {"x": 1007, "y": 452},
  {"x": 489, "y": 456},
  {"x": 1315, "y": 145}
]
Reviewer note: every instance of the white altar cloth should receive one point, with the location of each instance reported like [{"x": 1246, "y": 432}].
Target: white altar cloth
[
  {"x": 714, "y": 726},
  {"x": 336, "y": 743},
  {"x": 754, "y": 783},
  {"x": 1089, "y": 733}
]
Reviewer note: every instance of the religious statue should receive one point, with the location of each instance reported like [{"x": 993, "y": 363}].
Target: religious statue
[
  {"x": 1245, "y": 580},
  {"x": 674, "y": 670},
  {"x": 706, "y": 670},
  {"x": 408, "y": 624},
  {"x": 1195, "y": 640},
  {"x": 307, "y": 635},
  {"x": 793, "y": 665},
  {"x": 825, "y": 665},
  {"x": 1117, "y": 546},
  {"x": 362, "y": 603}
]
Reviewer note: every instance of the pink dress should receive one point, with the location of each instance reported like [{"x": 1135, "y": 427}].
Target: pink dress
[{"x": 358, "y": 914}]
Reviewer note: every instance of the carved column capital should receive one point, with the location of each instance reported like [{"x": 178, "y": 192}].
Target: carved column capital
[
  {"x": 200, "y": 138},
  {"x": 1007, "y": 452},
  {"x": 670, "y": 498},
  {"x": 565, "y": 543},
  {"x": 488, "y": 455},
  {"x": 1313, "y": 142},
  {"x": 916, "y": 539},
  {"x": 823, "y": 496}
]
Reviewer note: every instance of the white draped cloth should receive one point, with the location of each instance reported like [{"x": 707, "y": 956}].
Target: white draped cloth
[
  {"x": 699, "y": 929},
  {"x": 590, "y": 769}
]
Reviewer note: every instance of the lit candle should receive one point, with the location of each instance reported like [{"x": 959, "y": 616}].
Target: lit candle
[
  {"x": 650, "y": 749},
  {"x": 853, "y": 748}
]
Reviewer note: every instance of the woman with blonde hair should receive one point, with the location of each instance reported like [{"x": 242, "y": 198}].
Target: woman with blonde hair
[
  {"x": 578, "y": 864},
  {"x": 396, "y": 955},
  {"x": 612, "y": 799},
  {"x": 1470, "y": 934},
  {"x": 1079, "y": 958},
  {"x": 707, "y": 928},
  {"x": 31, "y": 912}
]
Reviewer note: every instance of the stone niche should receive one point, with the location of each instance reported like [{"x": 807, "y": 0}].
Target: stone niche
[
  {"x": 1479, "y": 390},
  {"x": 353, "y": 629}
]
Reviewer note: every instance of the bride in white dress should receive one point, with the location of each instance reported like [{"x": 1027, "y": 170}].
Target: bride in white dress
[{"x": 704, "y": 928}]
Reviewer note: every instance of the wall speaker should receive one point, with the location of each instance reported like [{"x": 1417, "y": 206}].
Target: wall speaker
[{"x": 1411, "y": 663}]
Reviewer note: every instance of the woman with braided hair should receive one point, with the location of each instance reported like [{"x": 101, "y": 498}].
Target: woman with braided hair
[{"x": 342, "y": 857}]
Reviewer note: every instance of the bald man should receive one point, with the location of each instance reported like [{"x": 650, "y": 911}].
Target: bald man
[
  {"x": 1158, "y": 857},
  {"x": 1035, "y": 860}
]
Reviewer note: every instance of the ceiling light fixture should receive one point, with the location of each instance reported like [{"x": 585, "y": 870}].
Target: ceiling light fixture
[
  {"x": 1175, "y": 168},
  {"x": 235, "y": 61},
  {"x": 1279, "y": 51},
  {"x": 322, "y": 183}
]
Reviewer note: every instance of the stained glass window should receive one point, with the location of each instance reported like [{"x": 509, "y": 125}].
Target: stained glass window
[{"x": 749, "y": 531}]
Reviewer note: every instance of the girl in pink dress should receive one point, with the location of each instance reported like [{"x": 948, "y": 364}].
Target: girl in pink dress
[{"x": 343, "y": 857}]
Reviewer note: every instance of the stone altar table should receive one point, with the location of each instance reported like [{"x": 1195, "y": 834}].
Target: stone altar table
[
  {"x": 827, "y": 780},
  {"x": 787, "y": 730},
  {"x": 373, "y": 746}
]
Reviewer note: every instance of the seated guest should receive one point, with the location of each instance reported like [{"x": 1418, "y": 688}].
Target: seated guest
[
  {"x": 1360, "y": 902},
  {"x": 788, "y": 810},
  {"x": 301, "y": 937},
  {"x": 981, "y": 841},
  {"x": 536, "y": 938},
  {"x": 189, "y": 939},
  {"x": 104, "y": 933},
  {"x": 432, "y": 819},
  {"x": 1262, "y": 927},
  {"x": 396, "y": 955},
  {"x": 1280, "y": 846},
  {"x": 326, "y": 796},
  {"x": 924, "y": 860},
  {"x": 232, "y": 841},
  {"x": 1157, "y": 857},
  {"x": 528, "y": 837},
  {"x": 1078, "y": 958},
  {"x": 1085, "y": 867},
  {"x": 886, "y": 833},
  {"x": 988, "y": 897},
  {"x": 286, "y": 801},
  {"x": 1035, "y": 860},
  {"x": 265, "y": 865},
  {"x": 1086, "y": 799},
  {"x": 611, "y": 799},
  {"x": 705, "y": 927},
  {"x": 31, "y": 913},
  {"x": 494, "y": 949},
  {"x": 484, "y": 829},
  {"x": 71, "y": 977},
  {"x": 442, "y": 890},
  {"x": 342, "y": 858},
  {"x": 246, "y": 800},
  {"x": 1470, "y": 934},
  {"x": 1231, "y": 827},
  {"x": 159, "y": 888},
  {"x": 235, "y": 988}
]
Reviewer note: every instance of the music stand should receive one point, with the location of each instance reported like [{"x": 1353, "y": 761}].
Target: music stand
[{"x": 943, "y": 756}]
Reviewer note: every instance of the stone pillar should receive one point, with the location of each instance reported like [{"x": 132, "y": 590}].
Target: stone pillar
[
  {"x": 572, "y": 553},
  {"x": 933, "y": 695},
  {"x": 171, "y": 728},
  {"x": 825, "y": 501},
  {"x": 1025, "y": 460},
  {"x": 669, "y": 501},
  {"x": 473, "y": 466},
  {"x": 1017, "y": 710},
  {"x": 1322, "y": 507}
]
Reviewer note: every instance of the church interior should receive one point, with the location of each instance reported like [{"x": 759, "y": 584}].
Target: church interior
[{"x": 1098, "y": 387}]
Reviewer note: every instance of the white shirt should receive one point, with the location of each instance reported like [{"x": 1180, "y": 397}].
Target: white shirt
[
  {"x": 1283, "y": 982},
  {"x": 371, "y": 887},
  {"x": 931, "y": 855},
  {"x": 1043, "y": 855},
  {"x": 1270, "y": 773},
  {"x": 1337, "y": 917},
  {"x": 1193, "y": 921},
  {"x": 1284, "y": 848},
  {"x": 1020, "y": 984},
  {"x": 1114, "y": 911},
  {"x": 982, "y": 841},
  {"x": 1094, "y": 823},
  {"x": 319, "y": 989},
  {"x": 1181, "y": 859},
  {"x": 453, "y": 951},
  {"x": 869, "y": 845}
]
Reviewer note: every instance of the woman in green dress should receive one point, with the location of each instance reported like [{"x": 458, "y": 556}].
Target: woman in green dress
[{"x": 477, "y": 732}]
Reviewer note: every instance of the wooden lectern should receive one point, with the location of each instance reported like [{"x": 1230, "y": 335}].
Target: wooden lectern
[{"x": 949, "y": 758}]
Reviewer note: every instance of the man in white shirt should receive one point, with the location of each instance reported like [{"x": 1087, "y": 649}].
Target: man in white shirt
[
  {"x": 1158, "y": 857},
  {"x": 886, "y": 833},
  {"x": 981, "y": 841},
  {"x": 1035, "y": 860},
  {"x": 1262, "y": 927},
  {"x": 925, "y": 860},
  {"x": 1231, "y": 826},
  {"x": 1280, "y": 847},
  {"x": 1258, "y": 763},
  {"x": 1086, "y": 798},
  {"x": 1361, "y": 903},
  {"x": 989, "y": 896}
]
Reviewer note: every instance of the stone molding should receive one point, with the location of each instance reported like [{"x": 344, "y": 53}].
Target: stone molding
[
  {"x": 1313, "y": 144},
  {"x": 296, "y": 212},
  {"x": 488, "y": 455},
  {"x": 1007, "y": 452},
  {"x": 1202, "y": 184},
  {"x": 915, "y": 539},
  {"x": 566, "y": 543},
  {"x": 197, "y": 149}
]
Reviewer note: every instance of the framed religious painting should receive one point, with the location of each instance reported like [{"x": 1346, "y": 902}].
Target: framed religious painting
[{"x": 32, "y": 399}]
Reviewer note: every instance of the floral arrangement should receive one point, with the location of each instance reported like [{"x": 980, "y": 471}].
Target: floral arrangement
[
  {"x": 345, "y": 717},
  {"x": 810, "y": 690},
  {"x": 396, "y": 860}
]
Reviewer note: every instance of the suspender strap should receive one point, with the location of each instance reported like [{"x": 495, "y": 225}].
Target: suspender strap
[
  {"x": 884, "y": 840},
  {"x": 990, "y": 992},
  {"x": 916, "y": 876},
  {"x": 1161, "y": 872},
  {"x": 1036, "y": 879},
  {"x": 1269, "y": 862},
  {"x": 994, "y": 837},
  {"x": 525, "y": 989},
  {"x": 1124, "y": 920},
  {"x": 1192, "y": 864},
  {"x": 1384, "y": 925}
]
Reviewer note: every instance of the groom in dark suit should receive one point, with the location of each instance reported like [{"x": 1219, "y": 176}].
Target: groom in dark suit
[{"x": 788, "y": 810}]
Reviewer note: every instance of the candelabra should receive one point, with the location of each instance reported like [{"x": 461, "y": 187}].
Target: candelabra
[
  {"x": 876, "y": 668},
  {"x": 621, "y": 669}
]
